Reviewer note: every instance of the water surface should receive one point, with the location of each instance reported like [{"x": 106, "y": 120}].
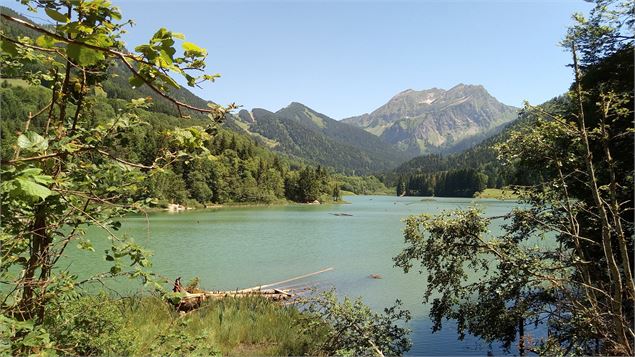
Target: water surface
[{"x": 231, "y": 248}]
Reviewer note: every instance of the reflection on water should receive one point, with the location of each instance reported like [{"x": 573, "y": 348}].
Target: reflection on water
[{"x": 242, "y": 247}]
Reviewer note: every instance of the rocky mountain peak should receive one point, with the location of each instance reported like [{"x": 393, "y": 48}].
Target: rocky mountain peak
[{"x": 435, "y": 119}]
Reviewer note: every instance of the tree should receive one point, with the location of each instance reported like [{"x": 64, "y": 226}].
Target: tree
[
  {"x": 564, "y": 259},
  {"x": 401, "y": 188},
  {"x": 354, "y": 329},
  {"x": 67, "y": 174}
]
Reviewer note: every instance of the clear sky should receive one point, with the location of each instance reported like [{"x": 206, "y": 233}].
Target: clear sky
[{"x": 345, "y": 58}]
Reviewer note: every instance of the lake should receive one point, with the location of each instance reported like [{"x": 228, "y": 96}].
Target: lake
[{"x": 231, "y": 248}]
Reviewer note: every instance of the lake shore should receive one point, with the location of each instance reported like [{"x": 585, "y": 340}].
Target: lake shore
[{"x": 281, "y": 203}]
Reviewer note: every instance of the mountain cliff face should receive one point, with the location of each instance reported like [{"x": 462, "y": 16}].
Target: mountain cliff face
[
  {"x": 299, "y": 131},
  {"x": 436, "y": 120}
]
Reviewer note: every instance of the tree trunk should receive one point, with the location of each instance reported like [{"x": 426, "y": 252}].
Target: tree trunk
[
  {"x": 521, "y": 337},
  {"x": 39, "y": 245},
  {"x": 613, "y": 269}
]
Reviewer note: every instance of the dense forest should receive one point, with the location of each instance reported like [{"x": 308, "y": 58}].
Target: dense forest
[{"x": 303, "y": 133}]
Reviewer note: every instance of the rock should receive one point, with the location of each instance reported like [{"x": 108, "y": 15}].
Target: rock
[{"x": 175, "y": 207}]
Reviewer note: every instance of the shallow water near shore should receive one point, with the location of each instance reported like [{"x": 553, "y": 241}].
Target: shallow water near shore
[{"x": 231, "y": 248}]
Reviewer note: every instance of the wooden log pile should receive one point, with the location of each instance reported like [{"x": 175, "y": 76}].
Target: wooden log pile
[{"x": 193, "y": 298}]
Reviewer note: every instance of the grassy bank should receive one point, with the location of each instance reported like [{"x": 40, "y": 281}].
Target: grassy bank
[
  {"x": 497, "y": 193},
  {"x": 100, "y": 325}
]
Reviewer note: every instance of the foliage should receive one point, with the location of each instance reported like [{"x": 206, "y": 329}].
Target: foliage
[
  {"x": 452, "y": 183},
  {"x": 354, "y": 329},
  {"x": 310, "y": 185},
  {"x": 69, "y": 168},
  {"x": 20, "y": 337},
  {"x": 239, "y": 170},
  {"x": 451, "y": 245},
  {"x": 177, "y": 342},
  {"x": 87, "y": 326},
  {"x": 244, "y": 326},
  {"x": 361, "y": 185},
  {"x": 564, "y": 260},
  {"x": 146, "y": 325}
]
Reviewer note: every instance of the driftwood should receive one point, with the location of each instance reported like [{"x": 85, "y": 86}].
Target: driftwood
[{"x": 193, "y": 298}]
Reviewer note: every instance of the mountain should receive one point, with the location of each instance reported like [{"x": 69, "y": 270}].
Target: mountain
[
  {"x": 464, "y": 173},
  {"x": 299, "y": 131},
  {"x": 437, "y": 120}
]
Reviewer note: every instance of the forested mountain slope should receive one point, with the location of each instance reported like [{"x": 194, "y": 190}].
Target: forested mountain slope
[
  {"x": 301, "y": 132},
  {"x": 471, "y": 170}
]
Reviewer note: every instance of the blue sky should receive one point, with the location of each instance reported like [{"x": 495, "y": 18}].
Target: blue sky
[{"x": 345, "y": 58}]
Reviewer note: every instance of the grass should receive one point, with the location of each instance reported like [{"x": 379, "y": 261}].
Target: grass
[
  {"x": 99, "y": 324},
  {"x": 15, "y": 82},
  {"x": 240, "y": 327},
  {"x": 498, "y": 193}
]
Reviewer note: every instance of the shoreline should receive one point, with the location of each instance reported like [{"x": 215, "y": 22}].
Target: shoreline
[{"x": 240, "y": 205}]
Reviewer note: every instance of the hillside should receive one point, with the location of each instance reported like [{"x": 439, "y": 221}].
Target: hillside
[
  {"x": 301, "y": 132},
  {"x": 431, "y": 174},
  {"x": 437, "y": 120}
]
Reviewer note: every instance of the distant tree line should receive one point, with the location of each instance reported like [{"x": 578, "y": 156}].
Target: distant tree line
[{"x": 452, "y": 183}]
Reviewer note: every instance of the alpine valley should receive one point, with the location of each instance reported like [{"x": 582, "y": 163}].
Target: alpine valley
[{"x": 410, "y": 124}]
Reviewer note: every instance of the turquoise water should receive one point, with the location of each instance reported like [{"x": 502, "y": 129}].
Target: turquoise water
[{"x": 232, "y": 248}]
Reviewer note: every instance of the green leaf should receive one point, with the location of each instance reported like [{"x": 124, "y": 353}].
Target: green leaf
[
  {"x": 138, "y": 102},
  {"x": 57, "y": 16},
  {"x": 83, "y": 55},
  {"x": 167, "y": 59},
  {"x": 45, "y": 41},
  {"x": 33, "y": 189},
  {"x": 85, "y": 245},
  {"x": 115, "y": 13},
  {"x": 43, "y": 179},
  {"x": 32, "y": 141},
  {"x": 178, "y": 35},
  {"x": 100, "y": 40},
  {"x": 193, "y": 50},
  {"x": 160, "y": 35},
  {"x": 167, "y": 79}
]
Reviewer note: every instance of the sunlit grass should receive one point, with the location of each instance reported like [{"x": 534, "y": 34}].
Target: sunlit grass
[
  {"x": 244, "y": 326},
  {"x": 498, "y": 193}
]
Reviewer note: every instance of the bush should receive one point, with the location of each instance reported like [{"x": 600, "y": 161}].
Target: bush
[{"x": 90, "y": 325}]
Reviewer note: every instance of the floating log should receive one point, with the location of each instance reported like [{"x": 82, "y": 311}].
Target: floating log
[{"x": 287, "y": 281}]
